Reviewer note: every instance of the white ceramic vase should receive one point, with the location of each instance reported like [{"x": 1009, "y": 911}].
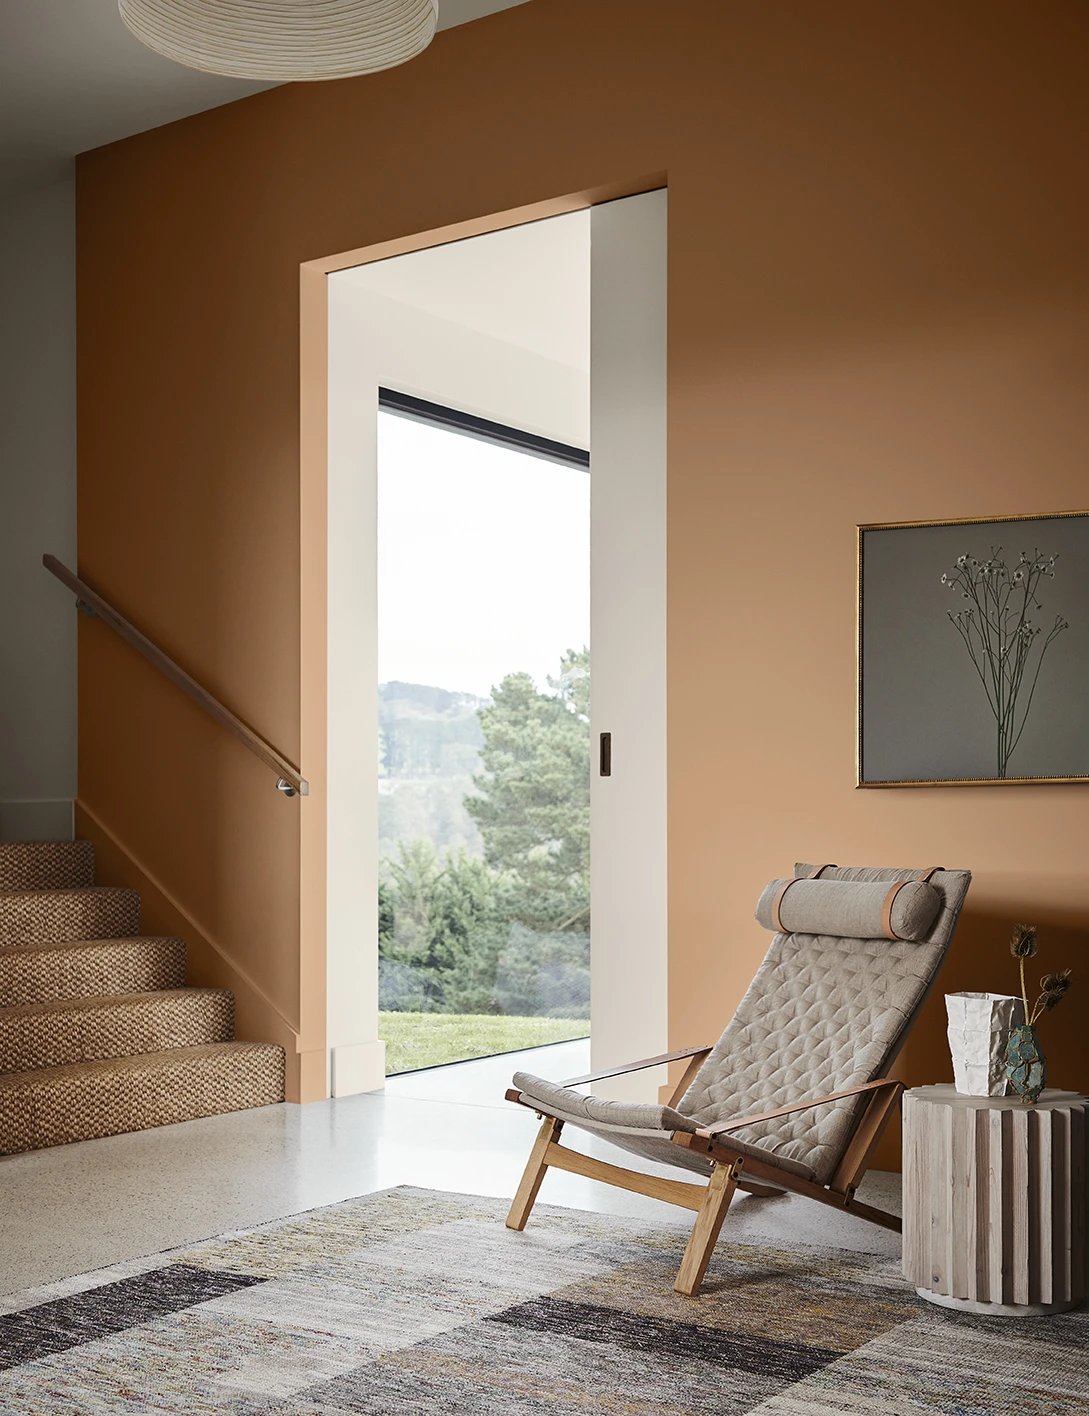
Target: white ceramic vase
[{"x": 979, "y": 1025}]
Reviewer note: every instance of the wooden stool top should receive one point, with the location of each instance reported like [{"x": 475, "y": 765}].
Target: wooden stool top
[{"x": 945, "y": 1094}]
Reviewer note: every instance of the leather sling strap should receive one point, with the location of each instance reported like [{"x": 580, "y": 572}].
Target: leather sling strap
[
  {"x": 741, "y": 1121},
  {"x": 776, "y": 917},
  {"x": 897, "y": 886}
]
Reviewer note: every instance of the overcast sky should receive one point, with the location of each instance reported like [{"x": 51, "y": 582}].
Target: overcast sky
[{"x": 483, "y": 559}]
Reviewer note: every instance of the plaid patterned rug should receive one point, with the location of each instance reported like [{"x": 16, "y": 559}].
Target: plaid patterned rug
[{"x": 411, "y": 1302}]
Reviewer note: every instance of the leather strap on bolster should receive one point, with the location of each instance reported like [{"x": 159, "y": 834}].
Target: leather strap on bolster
[
  {"x": 776, "y": 917},
  {"x": 897, "y": 886}
]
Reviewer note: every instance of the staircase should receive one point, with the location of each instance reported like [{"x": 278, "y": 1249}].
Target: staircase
[{"x": 98, "y": 1032}]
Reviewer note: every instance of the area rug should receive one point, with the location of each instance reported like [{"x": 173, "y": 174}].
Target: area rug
[{"x": 412, "y": 1303}]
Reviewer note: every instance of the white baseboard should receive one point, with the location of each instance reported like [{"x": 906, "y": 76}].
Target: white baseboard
[
  {"x": 357, "y": 1067},
  {"x": 36, "y": 820}
]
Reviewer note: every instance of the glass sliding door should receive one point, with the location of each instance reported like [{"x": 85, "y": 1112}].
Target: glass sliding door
[{"x": 484, "y": 738}]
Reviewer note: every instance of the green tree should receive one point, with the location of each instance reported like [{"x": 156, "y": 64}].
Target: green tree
[
  {"x": 533, "y": 807},
  {"x": 510, "y": 933},
  {"x": 442, "y": 925}
]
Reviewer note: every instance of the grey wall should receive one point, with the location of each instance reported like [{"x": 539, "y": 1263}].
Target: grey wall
[{"x": 37, "y": 513}]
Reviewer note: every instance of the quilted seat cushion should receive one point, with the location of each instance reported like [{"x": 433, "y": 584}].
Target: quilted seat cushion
[
  {"x": 641, "y": 1128},
  {"x": 851, "y": 909},
  {"x": 577, "y": 1106},
  {"x": 822, "y": 1014}
]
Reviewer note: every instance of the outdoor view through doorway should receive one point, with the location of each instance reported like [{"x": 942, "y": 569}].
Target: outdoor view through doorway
[{"x": 483, "y": 739}]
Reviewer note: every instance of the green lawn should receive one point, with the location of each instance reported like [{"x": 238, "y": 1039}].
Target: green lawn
[{"x": 416, "y": 1040}]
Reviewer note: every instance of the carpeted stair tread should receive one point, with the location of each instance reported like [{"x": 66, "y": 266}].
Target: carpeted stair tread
[
  {"x": 27, "y": 916},
  {"x": 79, "y": 1102},
  {"x": 90, "y": 968},
  {"x": 46, "y": 865},
  {"x": 37, "y": 1035},
  {"x": 98, "y": 1033}
]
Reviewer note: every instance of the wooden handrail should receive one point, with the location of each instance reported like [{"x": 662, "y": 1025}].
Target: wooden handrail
[{"x": 290, "y": 779}]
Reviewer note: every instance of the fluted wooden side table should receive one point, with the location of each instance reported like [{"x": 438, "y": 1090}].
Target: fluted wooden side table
[{"x": 995, "y": 1200}]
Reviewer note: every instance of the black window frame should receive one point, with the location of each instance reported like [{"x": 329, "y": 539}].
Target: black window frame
[{"x": 438, "y": 415}]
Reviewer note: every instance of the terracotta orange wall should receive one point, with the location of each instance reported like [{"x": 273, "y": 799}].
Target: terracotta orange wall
[{"x": 879, "y": 310}]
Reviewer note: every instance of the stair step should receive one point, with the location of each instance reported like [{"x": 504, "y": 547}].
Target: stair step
[
  {"x": 46, "y": 865},
  {"x": 36, "y": 1035},
  {"x": 54, "y": 916},
  {"x": 89, "y": 968},
  {"x": 79, "y": 1102}
]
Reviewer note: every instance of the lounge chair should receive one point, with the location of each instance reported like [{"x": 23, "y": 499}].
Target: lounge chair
[{"x": 795, "y": 1094}]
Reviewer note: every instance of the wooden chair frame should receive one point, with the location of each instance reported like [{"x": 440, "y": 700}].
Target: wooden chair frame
[{"x": 731, "y": 1171}]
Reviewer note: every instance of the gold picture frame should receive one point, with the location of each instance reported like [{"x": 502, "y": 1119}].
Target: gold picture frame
[{"x": 865, "y": 629}]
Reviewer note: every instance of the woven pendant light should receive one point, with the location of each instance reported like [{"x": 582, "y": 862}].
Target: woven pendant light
[{"x": 288, "y": 40}]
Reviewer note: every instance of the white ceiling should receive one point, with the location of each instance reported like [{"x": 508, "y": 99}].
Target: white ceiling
[
  {"x": 72, "y": 77},
  {"x": 528, "y": 286}
]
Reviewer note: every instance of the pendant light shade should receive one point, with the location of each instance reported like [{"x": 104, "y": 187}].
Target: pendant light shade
[{"x": 289, "y": 40}]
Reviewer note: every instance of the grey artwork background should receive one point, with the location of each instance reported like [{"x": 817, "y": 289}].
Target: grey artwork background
[{"x": 924, "y": 713}]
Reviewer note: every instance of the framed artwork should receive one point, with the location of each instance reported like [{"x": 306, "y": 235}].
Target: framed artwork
[{"x": 973, "y": 651}]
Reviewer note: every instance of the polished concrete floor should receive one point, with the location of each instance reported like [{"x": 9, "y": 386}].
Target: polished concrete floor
[{"x": 80, "y": 1207}]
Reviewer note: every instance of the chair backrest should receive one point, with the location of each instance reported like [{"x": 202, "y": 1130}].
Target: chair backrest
[{"x": 823, "y": 1013}]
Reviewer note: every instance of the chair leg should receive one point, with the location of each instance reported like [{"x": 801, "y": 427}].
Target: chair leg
[
  {"x": 534, "y": 1173},
  {"x": 705, "y": 1231}
]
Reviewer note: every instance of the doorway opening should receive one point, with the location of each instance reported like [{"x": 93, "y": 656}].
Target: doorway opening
[
  {"x": 480, "y": 351},
  {"x": 483, "y": 737},
  {"x": 459, "y": 375}
]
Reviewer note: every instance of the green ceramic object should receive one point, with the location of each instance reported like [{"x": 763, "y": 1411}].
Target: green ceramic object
[{"x": 1026, "y": 1069}]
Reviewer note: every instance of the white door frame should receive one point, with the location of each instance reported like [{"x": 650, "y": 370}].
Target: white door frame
[{"x": 628, "y": 859}]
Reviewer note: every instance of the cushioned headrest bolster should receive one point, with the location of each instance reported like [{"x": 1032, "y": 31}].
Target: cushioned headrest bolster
[{"x": 851, "y": 909}]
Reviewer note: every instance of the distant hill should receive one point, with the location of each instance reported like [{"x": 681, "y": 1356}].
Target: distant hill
[
  {"x": 424, "y": 731},
  {"x": 429, "y": 742}
]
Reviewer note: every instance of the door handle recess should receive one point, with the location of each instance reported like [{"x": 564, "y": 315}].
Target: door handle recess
[{"x": 605, "y": 759}]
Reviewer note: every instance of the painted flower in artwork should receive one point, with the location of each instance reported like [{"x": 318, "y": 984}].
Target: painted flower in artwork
[{"x": 1005, "y": 643}]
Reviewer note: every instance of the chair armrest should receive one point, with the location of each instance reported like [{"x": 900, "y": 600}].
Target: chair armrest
[
  {"x": 636, "y": 1066},
  {"x": 883, "y": 1083}
]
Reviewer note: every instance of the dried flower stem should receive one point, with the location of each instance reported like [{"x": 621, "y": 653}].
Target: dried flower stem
[
  {"x": 999, "y": 635},
  {"x": 1024, "y": 991},
  {"x": 1053, "y": 987}
]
